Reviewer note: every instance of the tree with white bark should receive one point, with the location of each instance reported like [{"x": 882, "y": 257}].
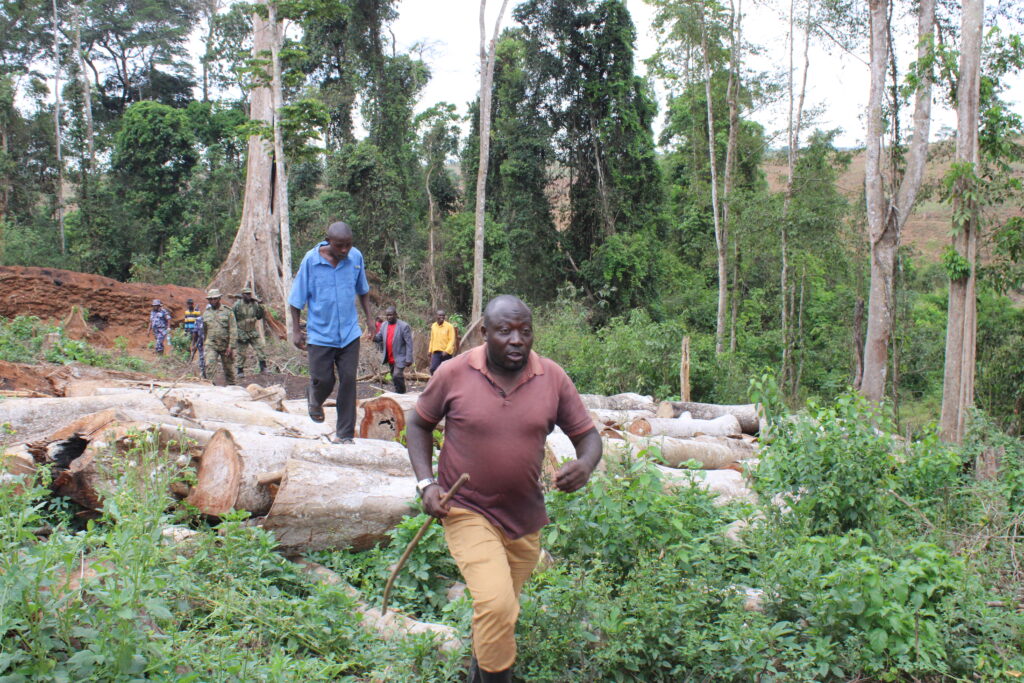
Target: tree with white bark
[
  {"x": 487, "y": 58},
  {"x": 889, "y": 194},
  {"x": 962, "y": 323}
]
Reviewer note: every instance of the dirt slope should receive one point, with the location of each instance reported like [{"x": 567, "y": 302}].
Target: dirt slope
[{"x": 114, "y": 309}]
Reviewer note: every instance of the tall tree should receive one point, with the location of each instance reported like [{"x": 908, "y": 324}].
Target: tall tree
[
  {"x": 57, "y": 137},
  {"x": 887, "y": 212},
  {"x": 439, "y": 140},
  {"x": 721, "y": 238},
  {"x": 732, "y": 97},
  {"x": 487, "y": 58},
  {"x": 255, "y": 255},
  {"x": 962, "y": 322},
  {"x": 600, "y": 113},
  {"x": 280, "y": 199}
]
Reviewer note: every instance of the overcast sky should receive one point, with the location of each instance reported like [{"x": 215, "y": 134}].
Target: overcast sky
[{"x": 837, "y": 83}]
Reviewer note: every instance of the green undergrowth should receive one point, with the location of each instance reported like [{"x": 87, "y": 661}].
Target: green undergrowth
[
  {"x": 23, "y": 339},
  {"x": 868, "y": 558}
]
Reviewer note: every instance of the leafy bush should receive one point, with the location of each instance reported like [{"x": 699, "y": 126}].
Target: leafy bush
[
  {"x": 223, "y": 605},
  {"x": 421, "y": 587},
  {"x": 831, "y": 466},
  {"x": 22, "y": 340},
  {"x": 618, "y": 519},
  {"x": 856, "y": 610}
]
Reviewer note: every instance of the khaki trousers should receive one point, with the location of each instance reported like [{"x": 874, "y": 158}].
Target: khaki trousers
[{"x": 495, "y": 568}]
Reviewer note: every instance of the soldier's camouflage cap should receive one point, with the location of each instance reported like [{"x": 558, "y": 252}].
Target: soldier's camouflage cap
[
  {"x": 213, "y": 294},
  {"x": 156, "y": 302},
  {"x": 247, "y": 290}
]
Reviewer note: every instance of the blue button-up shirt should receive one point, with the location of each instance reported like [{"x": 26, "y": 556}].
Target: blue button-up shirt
[{"x": 330, "y": 292}]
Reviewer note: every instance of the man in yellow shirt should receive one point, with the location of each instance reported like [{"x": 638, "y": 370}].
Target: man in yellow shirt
[{"x": 444, "y": 343}]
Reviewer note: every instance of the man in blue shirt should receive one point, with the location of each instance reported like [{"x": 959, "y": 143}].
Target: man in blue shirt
[{"x": 331, "y": 276}]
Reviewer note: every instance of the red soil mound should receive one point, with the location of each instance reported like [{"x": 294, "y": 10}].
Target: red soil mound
[
  {"x": 115, "y": 309},
  {"x": 53, "y": 380}
]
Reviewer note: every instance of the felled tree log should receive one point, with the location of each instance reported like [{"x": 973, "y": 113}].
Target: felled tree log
[
  {"x": 741, "y": 447},
  {"x": 16, "y": 466},
  {"x": 214, "y": 415},
  {"x": 91, "y": 475},
  {"x": 384, "y": 417},
  {"x": 619, "y": 402},
  {"x": 617, "y": 418},
  {"x": 684, "y": 426},
  {"x": 747, "y": 414},
  {"x": 242, "y": 470},
  {"x": 33, "y": 418},
  {"x": 676, "y": 452},
  {"x": 321, "y": 506},
  {"x": 725, "y": 485},
  {"x": 273, "y": 395},
  {"x": 390, "y": 625}
]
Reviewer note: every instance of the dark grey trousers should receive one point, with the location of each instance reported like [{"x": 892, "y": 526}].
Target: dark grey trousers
[{"x": 324, "y": 361}]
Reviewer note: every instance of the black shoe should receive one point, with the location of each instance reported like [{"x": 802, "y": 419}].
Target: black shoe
[
  {"x": 263, "y": 366},
  {"x": 496, "y": 676},
  {"x": 316, "y": 412}
]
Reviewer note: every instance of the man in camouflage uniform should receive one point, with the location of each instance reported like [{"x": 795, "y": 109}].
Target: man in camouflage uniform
[
  {"x": 249, "y": 310},
  {"x": 159, "y": 325},
  {"x": 221, "y": 334}
]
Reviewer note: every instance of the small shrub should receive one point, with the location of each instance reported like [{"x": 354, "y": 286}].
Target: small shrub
[
  {"x": 856, "y": 610},
  {"x": 831, "y": 466}
]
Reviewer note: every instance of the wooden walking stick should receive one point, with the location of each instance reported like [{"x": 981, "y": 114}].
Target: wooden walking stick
[{"x": 415, "y": 540}]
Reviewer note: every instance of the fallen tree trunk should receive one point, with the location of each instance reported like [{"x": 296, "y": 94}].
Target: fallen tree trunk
[
  {"x": 617, "y": 418},
  {"x": 235, "y": 466},
  {"x": 725, "y": 485},
  {"x": 619, "y": 402},
  {"x": 322, "y": 506},
  {"x": 384, "y": 417},
  {"x": 747, "y": 414},
  {"x": 102, "y": 455},
  {"x": 16, "y": 467},
  {"x": 684, "y": 426},
  {"x": 33, "y": 418},
  {"x": 214, "y": 415},
  {"x": 387, "y": 625},
  {"x": 678, "y": 452}
]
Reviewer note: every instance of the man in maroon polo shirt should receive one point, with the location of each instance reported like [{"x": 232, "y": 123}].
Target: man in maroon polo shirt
[{"x": 499, "y": 402}]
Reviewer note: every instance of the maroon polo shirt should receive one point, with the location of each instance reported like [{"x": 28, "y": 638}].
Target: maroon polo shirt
[{"x": 499, "y": 439}]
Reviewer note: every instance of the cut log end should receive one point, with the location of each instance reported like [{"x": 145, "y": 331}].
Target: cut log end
[
  {"x": 219, "y": 477},
  {"x": 640, "y": 427}
]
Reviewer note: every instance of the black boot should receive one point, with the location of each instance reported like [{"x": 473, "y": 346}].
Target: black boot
[
  {"x": 263, "y": 366},
  {"x": 240, "y": 371},
  {"x": 496, "y": 676},
  {"x": 474, "y": 672}
]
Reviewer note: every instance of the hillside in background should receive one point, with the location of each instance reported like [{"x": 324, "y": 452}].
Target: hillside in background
[{"x": 928, "y": 230}]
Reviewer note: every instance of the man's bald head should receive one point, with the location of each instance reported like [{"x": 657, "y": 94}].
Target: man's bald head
[
  {"x": 503, "y": 305},
  {"x": 339, "y": 240},
  {"x": 339, "y": 230}
]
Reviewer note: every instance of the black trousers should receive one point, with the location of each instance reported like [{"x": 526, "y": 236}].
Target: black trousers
[
  {"x": 397, "y": 378},
  {"x": 436, "y": 358},
  {"x": 324, "y": 362}
]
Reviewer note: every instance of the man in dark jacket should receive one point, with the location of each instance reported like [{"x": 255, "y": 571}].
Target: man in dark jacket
[{"x": 396, "y": 336}]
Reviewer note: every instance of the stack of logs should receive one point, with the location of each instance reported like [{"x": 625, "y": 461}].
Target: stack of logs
[
  {"x": 718, "y": 440},
  {"x": 252, "y": 450}
]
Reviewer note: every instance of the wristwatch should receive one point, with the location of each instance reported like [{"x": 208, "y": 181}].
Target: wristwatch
[{"x": 422, "y": 484}]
